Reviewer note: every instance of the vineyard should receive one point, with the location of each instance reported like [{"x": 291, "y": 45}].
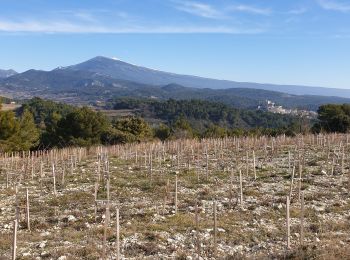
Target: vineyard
[{"x": 231, "y": 198}]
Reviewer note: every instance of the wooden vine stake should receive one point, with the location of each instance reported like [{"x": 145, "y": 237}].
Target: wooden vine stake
[
  {"x": 117, "y": 234},
  {"x": 95, "y": 196},
  {"x": 291, "y": 183},
  {"x": 302, "y": 220},
  {"x": 300, "y": 176},
  {"x": 108, "y": 213},
  {"x": 288, "y": 222},
  {"x": 27, "y": 210},
  {"x": 14, "y": 241},
  {"x": 231, "y": 189},
  {"x": 215, "y": 226},
  {"x": 197, "y": 231},
  {"x": 175, "y": 194},
  {"x": 17, "y": 204},
  {"x": 289, "y": 159},
  {"x": 254, "y": 165},
  {"x": 241, "y": 188},
  {"x": 207, "y": 164},
  {"x": 54, "y": 179},
  {"x": 104, "y": 256}
]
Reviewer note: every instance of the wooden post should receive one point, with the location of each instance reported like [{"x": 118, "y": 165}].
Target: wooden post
[
  {"x": 207, "y": 164},
  {"x": 342, "y": 161},
  {"x": 63, "y": 172},
  {"x": 300, "y": 176},
  {"x": 247, "y": 164},
  {"x": 231, "y": 189},
  {"x": 176, "y": 194},
  {"x": 254, "y": 165},
  {"x": 197, "y": 231},
  {"x": 105, "y": 238},
  {"x": 7, "y": 180},
  {"x": 288, "y": 161},
  {"x": 108, "y": 204},
  {"x": 17, "y": 204},
  {"x": 291, "y": 183},
  {"x": 14, "y": 242},
  {"x": 54, "y": 179},
  {"x": 302, "y": 220},
  {"x": 241, "y": 188},
  {"x": 95, "y": 196},
  {"x": 288, "y": 222},
  {"x": 117, "y": 234},
  {"x": 215, "y": 226},
  {"x": 27, "y": 209}
]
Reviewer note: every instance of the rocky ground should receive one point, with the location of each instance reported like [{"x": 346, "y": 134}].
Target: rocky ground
[{"x": 142, "y": 185}]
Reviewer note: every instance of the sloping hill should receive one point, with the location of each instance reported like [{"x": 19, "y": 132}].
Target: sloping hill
[
  {"x": 7, "y": 73},
  {"x": 122, "y": 70},
  {"x": 101, "y": 79}
]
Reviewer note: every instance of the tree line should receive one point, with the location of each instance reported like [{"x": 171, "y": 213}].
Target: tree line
[{"x": 43, "y": 124}]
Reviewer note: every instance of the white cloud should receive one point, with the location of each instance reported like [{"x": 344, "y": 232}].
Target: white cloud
[
  {"x": 71, "y": 27},
  {"x": 334, "y": 5},
  {"x": 209, "y": 11},
  {"x": 250, "y": 9},
  {"x": 200, "y": 9}
]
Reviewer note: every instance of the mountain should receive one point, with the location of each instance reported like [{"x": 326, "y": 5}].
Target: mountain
[
  {"x": 121, "y": 70},
  {"x": 86, "y": 87},
  {"x": 103, "y": 79},
  {"x": 7, "y": 73}
]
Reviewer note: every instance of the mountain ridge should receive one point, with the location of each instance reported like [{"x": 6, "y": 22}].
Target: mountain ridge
[
  {"x": 89, "y": 82},
  {"x": 7, "y": 73},
  {"x": 119, "y": 69}
]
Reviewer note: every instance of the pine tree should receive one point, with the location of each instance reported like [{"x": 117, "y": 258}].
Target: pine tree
[{"x": 28, "y": 134}]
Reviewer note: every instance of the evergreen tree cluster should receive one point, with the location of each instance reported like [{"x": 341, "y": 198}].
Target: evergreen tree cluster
[
  {"x": 333, "y": 118},
  {"x": 17, "y": 133},
  {"x": 200, "y": 118},
  {"x": 43, "y": 124}
]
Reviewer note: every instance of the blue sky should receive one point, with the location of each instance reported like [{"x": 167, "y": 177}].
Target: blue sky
[{"x": 272, "y": 41}]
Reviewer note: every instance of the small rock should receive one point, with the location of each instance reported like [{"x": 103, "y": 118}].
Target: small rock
[
  {"x": 42, "y": 244},
  {"x": 46, "y": 233},
  {"x": 71, "y": 218}
]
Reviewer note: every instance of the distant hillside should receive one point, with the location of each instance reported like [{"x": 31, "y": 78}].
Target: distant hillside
[
  {"x": 101, "y": 79},
  {"x": 203, "y": 114},
  {"x": 122, "y": 70},
  {"x": 7, "y": 73},
  {"x": 85, "y": 87}
]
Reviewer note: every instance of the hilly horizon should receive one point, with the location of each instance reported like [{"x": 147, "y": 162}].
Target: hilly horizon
[
  {"x": 122, "y": 70},
  {"x": 7, "y": 73},
  {"x": 118, "y": 69},
  {"x": 102, "y": 79}
]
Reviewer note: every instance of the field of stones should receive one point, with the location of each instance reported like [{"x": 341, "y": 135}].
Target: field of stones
[{"x": 233, "y": 198}]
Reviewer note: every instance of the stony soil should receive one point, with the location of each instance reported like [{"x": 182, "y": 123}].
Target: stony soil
[{"x": 64, "y": 225}]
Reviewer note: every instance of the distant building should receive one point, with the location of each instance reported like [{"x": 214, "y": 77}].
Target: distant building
[{"x": 270, "y": 106}]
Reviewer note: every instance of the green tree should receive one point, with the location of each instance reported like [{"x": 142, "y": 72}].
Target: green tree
[
  {"x": 83, "y": 127},
  {"x": 182, "y": 128},
  {"x": 333, "y": 118},
  {"x": 162, "y": 132},
  {"x": 28, "y": 135},
  {"x": 9, "y": 127},
  {"x": 137, "y": 128},
  {"x": 215, "y": 132}
]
